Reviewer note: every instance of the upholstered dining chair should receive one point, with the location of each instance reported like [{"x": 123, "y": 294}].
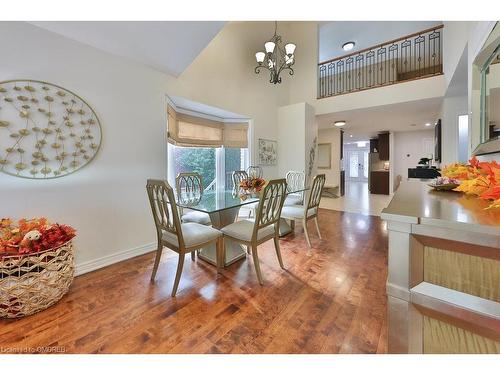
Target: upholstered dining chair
[
  {"x": 239, "y": 176},
  {"x": 180, "y": 237},
  {"x": 265, "y": 226},
  {"x": 189, "y": 186},
  {"x": 294, "y": 181},
  {"x": 254, "y": 171},
  {"x": 310, "y": 210}
]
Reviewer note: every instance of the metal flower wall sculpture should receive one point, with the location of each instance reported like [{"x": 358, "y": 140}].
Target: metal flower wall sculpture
[{"x": 46, "y": 131}]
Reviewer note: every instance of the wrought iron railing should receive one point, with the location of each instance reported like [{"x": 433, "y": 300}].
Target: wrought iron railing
[{"x": 411, "y": 57}]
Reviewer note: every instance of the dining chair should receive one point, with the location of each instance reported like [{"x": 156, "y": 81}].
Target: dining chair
[
  {"x": 189, "y": 186},
  {"x": 180, "y": 237},
  {"x": 239, "y": 176},
  {"x": 310, "y": 210},
  {"x": 254, "y": 171},
  {"x": 294, "y": 181},
  {"x": 265, "y": 226}
]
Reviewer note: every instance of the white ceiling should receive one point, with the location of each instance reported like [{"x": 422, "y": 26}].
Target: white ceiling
[
  {"x": 168, "y": 46},
  {"x": 332, "y": 35},
  {"x": 205, "y": 110},
  {"x": 365, "y": 123}
]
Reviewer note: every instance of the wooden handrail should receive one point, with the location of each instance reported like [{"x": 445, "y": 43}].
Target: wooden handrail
[{"x": 383, "y": 44}]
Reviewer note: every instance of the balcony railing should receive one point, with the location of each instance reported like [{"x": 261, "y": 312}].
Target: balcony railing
[{"x": 411, "y": 57}]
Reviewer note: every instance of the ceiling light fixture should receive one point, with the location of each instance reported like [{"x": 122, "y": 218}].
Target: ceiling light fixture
[
  {"x": 276, "y": 59},
  {"x": 350, "y": 135},
  {"x": 339, "y": 123},
  {"x": 348, "y": 46},
  {"x": 428, "y": 124}
]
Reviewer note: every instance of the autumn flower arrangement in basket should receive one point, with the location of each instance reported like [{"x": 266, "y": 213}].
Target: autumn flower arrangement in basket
[
  {"x": 36, "y": 265},
  {"x": 251, "y": 187},
  {"x": 481, "y": 179}
]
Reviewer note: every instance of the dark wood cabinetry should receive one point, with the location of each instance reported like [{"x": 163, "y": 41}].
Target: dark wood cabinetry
[
  {"x": 374, "y": 145},
  {"x": 383, "y": 146},
  {"x": 379, "y": 182}
]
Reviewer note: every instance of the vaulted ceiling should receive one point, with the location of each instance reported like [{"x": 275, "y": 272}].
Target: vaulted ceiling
[{"x": 168, "y": 46}]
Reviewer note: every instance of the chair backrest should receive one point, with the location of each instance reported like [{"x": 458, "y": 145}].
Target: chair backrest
[
  {"x": 238, "y": 176},
  {"x": 165, "y": 215},
  {"x": 295, "y": 181},
  {"x": 316, "y": 192},
  {"x": 254, "y": 171},
  {"x": 189, "y": 184},
  {"x": 270, "y": 205}
]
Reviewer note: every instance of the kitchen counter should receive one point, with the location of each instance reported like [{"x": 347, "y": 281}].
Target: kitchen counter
[
  {"x": 415, "y": 202},
  {"x": 443, "y": 292}
]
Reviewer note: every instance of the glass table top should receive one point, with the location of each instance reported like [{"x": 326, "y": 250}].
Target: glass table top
[{"x": 217, "y": 200}]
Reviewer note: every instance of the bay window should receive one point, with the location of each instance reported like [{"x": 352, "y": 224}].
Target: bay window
[{"x": 211, "y": 148}]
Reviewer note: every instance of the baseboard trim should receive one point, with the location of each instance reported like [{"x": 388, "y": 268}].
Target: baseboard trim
[{"x": 108, "y": 260}]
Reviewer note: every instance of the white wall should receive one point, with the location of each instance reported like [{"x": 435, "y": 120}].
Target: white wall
[
  {"x": 291, "y": 135},
  {"x": 106, "y": 200},
  {"x": 297, "y": 134},
  {"x": 331, "y": 136},
  {"x": 452, "y": 107},
  {"x": 408, "y": 149}
]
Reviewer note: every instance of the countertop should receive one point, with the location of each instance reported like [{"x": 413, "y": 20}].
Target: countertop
[
  {"x": 415, "y": 202},
  {"x": 380, "y": 170}
]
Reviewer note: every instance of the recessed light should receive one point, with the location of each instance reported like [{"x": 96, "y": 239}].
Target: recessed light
[
  {"x": 428, "y": 124},
  {"x": 339, "y": 123},
  {"x": 348, "y": 46},
  {"x": 350, "y": 135}
]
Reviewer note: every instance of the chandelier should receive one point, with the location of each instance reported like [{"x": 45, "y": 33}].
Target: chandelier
[{"x": 276, "y": 58}]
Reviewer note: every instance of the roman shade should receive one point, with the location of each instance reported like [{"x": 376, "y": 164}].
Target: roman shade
[{"x": 191, "y": 131}]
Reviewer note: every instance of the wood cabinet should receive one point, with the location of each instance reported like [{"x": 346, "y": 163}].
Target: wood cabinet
[
  {"x": 374, "y": 145},
  {"x": 383, "y": 146},
  {"x": 379, "y": 182}
]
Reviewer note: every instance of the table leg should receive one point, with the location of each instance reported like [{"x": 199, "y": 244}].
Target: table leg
[{"x": 234, "y": 251}]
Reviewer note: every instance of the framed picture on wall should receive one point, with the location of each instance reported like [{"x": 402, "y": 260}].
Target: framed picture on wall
[
  {"x": 268, "y": 152},
  {"x": 324, "y": 156}
]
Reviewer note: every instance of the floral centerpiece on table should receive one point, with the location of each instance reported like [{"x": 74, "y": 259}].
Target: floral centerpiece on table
[
  {"x": 251, "y": 186},
  {"x": 481, "y": 179},
  {"x": 29, "y": 236}
]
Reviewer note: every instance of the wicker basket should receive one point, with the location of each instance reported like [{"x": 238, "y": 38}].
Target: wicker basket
[{"x": 32, "y": 282}]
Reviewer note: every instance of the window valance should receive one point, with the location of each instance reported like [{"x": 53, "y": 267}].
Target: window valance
[{"x": 192, "y": 131}]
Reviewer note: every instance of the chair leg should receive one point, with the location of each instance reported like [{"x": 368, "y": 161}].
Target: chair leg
[
  {"x": 256, "y": 264},
  {"x": 317, "y": 227},
  {"x": 249, "y": 212},
  {"x": 292, "y": 224},
  {"x": 278, "y": 251},
  {"x": 192, "y": 256},
  {"x": 249, "y": 250},
  {"x": 304, "y": 224},
  {"x": 157, "y": 261},
  {"x": 178, "y": 273}
]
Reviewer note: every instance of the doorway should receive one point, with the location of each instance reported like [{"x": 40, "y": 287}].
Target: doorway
[{"x": 357, "y": 165}]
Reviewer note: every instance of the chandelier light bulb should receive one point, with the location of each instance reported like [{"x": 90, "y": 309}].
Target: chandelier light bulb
[
  {"x": 259, "y": 56},
  {"x": 289, "y": 49},
  {"x": 269, "y": 46}
]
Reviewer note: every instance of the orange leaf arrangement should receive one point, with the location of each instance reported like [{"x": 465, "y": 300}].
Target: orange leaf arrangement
[
  {"x": 32, "y": 236},
  {"x": 252, "y": 185},
  {"x": 481, "y": 179}
]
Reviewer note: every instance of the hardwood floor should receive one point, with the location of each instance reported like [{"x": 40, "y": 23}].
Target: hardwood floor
[{"x": 330, "y": 299}]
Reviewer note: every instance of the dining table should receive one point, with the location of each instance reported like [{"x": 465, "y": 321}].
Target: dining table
[{"x": 223, "y": 206}]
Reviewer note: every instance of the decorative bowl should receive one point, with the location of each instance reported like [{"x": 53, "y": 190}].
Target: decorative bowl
[{"x": 443, "y": 186}]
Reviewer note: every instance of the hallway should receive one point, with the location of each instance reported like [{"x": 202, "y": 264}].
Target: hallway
[{"x": 357, "y": 199}]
